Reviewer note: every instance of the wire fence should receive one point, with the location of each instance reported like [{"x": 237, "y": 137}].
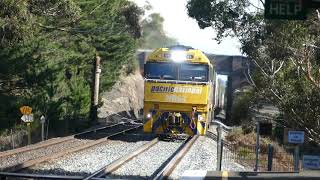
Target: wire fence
[{"x": 281, "y": 159}]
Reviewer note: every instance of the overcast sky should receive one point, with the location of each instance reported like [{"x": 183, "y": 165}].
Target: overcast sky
[{"x": 179, "y": 25}]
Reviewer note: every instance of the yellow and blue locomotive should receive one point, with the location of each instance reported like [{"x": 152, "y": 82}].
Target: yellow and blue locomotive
[{"x": 179, "y": 91}]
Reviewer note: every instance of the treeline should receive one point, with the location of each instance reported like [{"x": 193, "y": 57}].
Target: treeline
[
  {"x": 285, "y": 54},
  {"x": 48, "y": 51}
]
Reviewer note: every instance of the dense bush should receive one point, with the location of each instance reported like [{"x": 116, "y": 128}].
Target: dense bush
[
  {"x": 241, "y": 115},
  {"x": 47, "y": 54}
]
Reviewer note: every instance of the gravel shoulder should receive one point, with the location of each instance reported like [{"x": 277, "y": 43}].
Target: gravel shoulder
[
  {"x": 19, "y": 158},
  {"x": 87, "y": 161},
  {"x": 203, "y": 156}
]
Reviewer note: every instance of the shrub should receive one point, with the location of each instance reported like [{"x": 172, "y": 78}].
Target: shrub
[{"x": 240, "y": 114}]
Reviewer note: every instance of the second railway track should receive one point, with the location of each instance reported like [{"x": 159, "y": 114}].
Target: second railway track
[
  {"x": 143, "y": 158},
  {"x": 18, "y": 159}
]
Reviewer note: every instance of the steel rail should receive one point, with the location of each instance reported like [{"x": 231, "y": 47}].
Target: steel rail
[
  {"x": 219, "y": 123},
  {"x": 33, "y": 162},
  {"x": 171, "y": 165},
  {"x": 50, "y": 142},
  {"x": 3, "y": 175},
  {"x": 214, "y": 137},
  {"x": 119, "y": 162}
]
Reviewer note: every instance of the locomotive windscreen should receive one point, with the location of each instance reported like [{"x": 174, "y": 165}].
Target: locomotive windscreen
[{"x": 176, "y": 71}]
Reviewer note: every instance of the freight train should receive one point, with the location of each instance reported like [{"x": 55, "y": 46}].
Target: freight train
[{"x": 178, "y": 92}]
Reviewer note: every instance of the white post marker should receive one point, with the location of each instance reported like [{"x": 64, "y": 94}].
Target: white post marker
[{"x": 42, "y": 121}]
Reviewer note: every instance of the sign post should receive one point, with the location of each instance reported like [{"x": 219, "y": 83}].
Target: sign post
[
  {"x": 296, "y": 138},
  {"x": 28, "y": 118},
  {"x": 29, "y": 133}
]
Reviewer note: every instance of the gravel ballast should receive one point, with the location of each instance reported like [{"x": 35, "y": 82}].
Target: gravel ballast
[
  {"x": 203, "y": 156},
  {"x": 144, "y": 165},
  {"x": 19, "y": 158},
  {"x": 88, "y": 161},
  {"x": 78, "y": 140}
]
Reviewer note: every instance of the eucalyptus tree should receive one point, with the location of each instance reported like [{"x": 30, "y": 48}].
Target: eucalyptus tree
[{"x": 284, "y": 53}]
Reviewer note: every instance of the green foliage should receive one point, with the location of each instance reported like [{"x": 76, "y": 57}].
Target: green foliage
[
  {"x": 241, "y": 111},
  {"x": 278, "y": 131},
  {"x": 287, "y": 73},
  {"x": 48, "y": 51}
]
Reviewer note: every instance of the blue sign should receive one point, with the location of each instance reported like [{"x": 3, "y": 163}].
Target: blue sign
[
  {"x": 311, "y": 162},
  {"x": 296, "y": 137}
]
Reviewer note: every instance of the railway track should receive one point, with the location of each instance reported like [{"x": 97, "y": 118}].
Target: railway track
[
  {"x": 163, "y": 171},
  {"x": 121, "y": 161},
  {"x": 177, "y": 157},
  {"x": 87, "y": 139}
]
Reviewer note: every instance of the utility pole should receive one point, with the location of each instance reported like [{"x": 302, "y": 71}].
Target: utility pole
[
  {"x": 219, "y": 147},
  {"x": 95, "y": 90}
]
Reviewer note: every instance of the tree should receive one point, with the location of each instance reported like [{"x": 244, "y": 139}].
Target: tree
[
  {"x": 286, "y": 72},
  {"x": 47, "y": 53}
]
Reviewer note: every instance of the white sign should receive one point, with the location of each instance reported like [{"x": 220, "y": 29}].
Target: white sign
[
  {"x": 311, "y": 162},
  {"x": 296, "y": 137},
  {"x": 27, "y": 118}
]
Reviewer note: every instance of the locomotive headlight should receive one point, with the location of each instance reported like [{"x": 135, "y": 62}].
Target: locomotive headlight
[
  {"x": 200, "y": 118},
  {"x": 148, "y": 115},
  {"x": 178, "y": 56}
]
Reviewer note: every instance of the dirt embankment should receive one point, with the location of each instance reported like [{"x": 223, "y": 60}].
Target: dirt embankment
[{"x": 125, "y": 99}]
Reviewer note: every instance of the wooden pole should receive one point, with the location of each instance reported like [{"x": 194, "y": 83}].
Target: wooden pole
[{"x": 95, "y": 91}]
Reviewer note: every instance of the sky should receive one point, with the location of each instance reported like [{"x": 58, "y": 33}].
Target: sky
[{"x": 179, "y": 25}]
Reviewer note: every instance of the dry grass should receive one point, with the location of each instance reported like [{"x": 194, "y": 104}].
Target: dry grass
[
  {"x": 6, "y": 140},
  {"x": 282, "y": 160}
]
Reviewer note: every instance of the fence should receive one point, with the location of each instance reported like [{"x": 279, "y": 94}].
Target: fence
[
  {"x": 12, "y": 140},
  {"x": 280, "y": 159}
]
